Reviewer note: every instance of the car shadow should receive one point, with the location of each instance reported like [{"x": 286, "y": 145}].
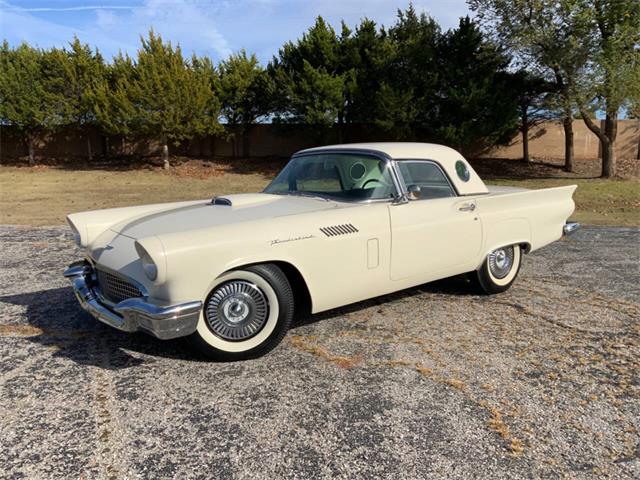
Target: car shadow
[
  {"x": 459, "y": 286},
  {"x": 56, "y": 320}
]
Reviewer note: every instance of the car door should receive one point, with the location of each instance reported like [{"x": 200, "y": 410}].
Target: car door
[{"x": 435, "y": 234}]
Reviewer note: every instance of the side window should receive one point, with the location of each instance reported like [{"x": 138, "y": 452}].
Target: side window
[{"x": 428, "y": 176}]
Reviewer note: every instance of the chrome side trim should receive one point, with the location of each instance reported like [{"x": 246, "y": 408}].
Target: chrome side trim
[
  {"x": 134, "y": 314},
  {"x": 570, "y": 228}
]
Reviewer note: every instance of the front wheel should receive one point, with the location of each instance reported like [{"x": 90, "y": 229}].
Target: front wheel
[
  {"x": 499, "y": 270},
  {"x": 246, "y": 314}
]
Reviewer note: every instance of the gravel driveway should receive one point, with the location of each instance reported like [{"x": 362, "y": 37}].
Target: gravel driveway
[{"x": 432, "y": 381}]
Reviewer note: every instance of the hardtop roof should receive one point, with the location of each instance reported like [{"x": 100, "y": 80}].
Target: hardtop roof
[{"x": 447, "y": 157}]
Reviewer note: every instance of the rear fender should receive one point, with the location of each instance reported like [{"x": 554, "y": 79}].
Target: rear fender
[{"x": 512, "y": 231}]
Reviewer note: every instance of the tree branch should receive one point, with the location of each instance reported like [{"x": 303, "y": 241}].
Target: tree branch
[{"x": 592, "y": 126}]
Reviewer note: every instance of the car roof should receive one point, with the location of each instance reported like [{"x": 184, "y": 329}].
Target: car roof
[
  {"x": 445, "y": 156},
  {"x": 398, "y": 150}
]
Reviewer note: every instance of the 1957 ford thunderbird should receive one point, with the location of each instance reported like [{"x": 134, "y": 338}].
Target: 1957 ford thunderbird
[{"x": 339, "y": 224}]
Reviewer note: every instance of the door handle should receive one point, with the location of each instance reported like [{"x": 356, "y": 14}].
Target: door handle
[{"x": 468, "y": 207}]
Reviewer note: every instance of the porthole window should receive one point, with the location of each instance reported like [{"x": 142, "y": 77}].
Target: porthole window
[
  {"x": 462, "y": 171},
  {"x": 357, "y": 171}
]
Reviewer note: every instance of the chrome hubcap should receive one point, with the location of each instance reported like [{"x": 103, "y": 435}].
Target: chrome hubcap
[
  {"x": 501, "y": 261},
  {"x": 237, "y": 310}
]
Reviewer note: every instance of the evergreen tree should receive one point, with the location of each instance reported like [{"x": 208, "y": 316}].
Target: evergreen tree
[
  {"x": 365, "y": 55},
  {"x": 311, "y": 88},
  {"x": 84, "y": 70},
  {"x": 27, "y": 100},
  {"x": 111, "y": 100},
  {"x": 406, "y": 103},
  {"x": 173, "y": 100},
  {"x": 245, "y": 93},
  {"x": 476, "y": 97}
]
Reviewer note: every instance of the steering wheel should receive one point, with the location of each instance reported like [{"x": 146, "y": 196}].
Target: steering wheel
[{"x": 364, "y": 185}]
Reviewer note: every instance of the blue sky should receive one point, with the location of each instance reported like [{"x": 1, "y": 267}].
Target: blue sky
[{"x": 206, "y": 27}]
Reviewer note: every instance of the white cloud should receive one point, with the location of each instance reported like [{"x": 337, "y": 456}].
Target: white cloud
[
  {"x": 106, "y": 18},
  {"x": 190, "y": 23},
  {"x": 206, "y": 27},
  {"x": 180, "y": 21},
  {"x": 19, "y": 26}
]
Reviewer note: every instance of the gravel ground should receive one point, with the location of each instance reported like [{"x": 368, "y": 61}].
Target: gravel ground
[{"x": 541, "y": 381}]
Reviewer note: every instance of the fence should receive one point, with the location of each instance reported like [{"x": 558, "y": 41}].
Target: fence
[{"x": 265, "y": 140}]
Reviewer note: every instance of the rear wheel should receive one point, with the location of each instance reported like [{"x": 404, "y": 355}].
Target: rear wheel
[
  {"x": 499, "y": 270},
  {"x": 246, "y": 314}
]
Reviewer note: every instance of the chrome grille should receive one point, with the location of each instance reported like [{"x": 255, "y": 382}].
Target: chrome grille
[{"x": 116, "y": 288}]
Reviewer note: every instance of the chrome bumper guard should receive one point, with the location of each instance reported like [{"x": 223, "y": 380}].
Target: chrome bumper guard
[
  {"x": 133, "y": 314},
  {"x": 570, "y": 228}
]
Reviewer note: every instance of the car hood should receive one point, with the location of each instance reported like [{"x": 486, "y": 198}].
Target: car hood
[{"x": 243, "y": 208}]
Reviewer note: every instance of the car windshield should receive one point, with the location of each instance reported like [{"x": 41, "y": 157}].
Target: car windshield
[{"x": 335, "y": 176}]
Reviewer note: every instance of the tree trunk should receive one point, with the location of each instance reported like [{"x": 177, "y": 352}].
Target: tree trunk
[
  {"x": 32, "y": 150},
  {"x": 245, "y": 141},
  {"x": 525, "y": 135},
  {"x": 105, "y": 146},
  {"x": 606, "y": 144},
  {"x": 234, "y": 141},
  {"x": 609, "y": 155},
  {"x": 165, "y": 157},
  {"x": 567, "y": 123},
  {"x": 638, "y": 154},
  {"x": 89, "y": 151},
  {"x": 608, "y": 160}
]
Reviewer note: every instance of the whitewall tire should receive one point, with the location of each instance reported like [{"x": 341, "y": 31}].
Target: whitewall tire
[
  {"x": 246, "y": 314},
  {"x": 499, "y": 269}
]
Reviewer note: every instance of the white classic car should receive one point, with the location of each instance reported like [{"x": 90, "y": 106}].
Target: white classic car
[{"x": 339, "y": 224}]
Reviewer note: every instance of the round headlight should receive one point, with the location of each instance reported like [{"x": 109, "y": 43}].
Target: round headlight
[
  {"x": 148, "y": 265},
  {"x": 150, "y": 270}
]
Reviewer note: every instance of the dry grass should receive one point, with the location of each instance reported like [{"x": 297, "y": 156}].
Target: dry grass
[
  {"x": 305, "y": 344},
  {"x": 45, "y": 195}
]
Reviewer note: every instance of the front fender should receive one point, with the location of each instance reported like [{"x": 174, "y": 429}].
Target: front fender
[{"x": 195, "y": 260}]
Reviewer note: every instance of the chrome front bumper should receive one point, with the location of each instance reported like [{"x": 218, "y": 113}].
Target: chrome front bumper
[
  {"x": 570, "y": 228},
  {"x": 133, "y": 314}
]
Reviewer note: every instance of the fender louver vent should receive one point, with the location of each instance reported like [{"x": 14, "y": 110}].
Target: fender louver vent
[{"x": 335, "y": 230}]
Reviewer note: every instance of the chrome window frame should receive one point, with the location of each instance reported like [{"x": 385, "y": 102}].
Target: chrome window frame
[
  {"x": 433, "y": 162},
  {"x": 400, "y": 195}
]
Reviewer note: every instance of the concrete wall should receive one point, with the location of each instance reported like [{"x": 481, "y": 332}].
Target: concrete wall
[{"x": 546, "y": 142}]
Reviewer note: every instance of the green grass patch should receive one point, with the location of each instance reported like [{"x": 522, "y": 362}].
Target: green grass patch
[{"x": 598, "y": 201}]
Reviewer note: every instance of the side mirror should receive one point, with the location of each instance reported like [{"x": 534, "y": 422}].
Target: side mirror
[{"x": 413, "y": 192}]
